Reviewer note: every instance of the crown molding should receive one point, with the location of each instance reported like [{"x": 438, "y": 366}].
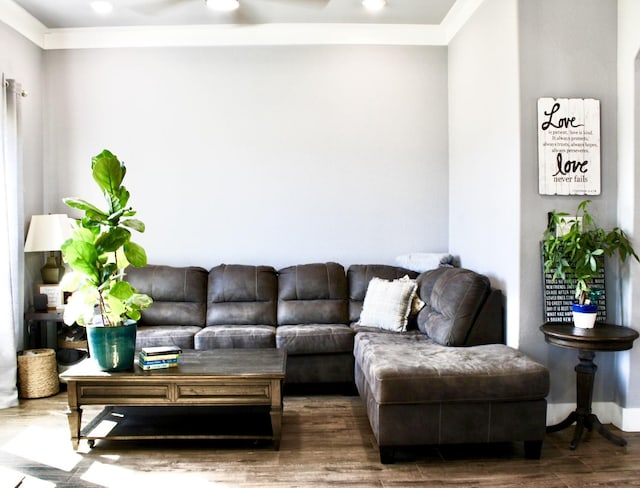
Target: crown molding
[
  {"x": 22, "y": 22},
  {"x": 457, "y": 16},
  {"x": 244, "y": 35},
  {"x": 238, "y": 35}
]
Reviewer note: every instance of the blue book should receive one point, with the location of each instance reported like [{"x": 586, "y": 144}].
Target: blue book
[{"x": 142, "y": 361}]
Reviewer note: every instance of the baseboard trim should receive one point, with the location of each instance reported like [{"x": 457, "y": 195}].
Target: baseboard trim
[{"x": 626, "y": 419}]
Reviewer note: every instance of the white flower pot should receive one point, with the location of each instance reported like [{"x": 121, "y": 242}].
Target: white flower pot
[{"x": 584, "y": 316}]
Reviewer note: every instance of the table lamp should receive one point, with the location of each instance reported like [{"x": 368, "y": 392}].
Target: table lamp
[{"x": 46, "y": 234}]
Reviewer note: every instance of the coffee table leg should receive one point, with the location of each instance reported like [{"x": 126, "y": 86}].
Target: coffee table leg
[
  {"x": 276, "y": 412},
  {"x": 74, "y": 414},
  {"x": 276, "y": 426}
]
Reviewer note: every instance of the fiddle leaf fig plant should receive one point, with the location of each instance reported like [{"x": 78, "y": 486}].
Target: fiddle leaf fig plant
[
  {"x": 99, "y": 251},
  {"x": 574, "y": 248}
]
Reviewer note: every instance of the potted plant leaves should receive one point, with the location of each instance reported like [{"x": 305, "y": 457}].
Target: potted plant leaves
[
  {"x": 574, "y": 248},
  {"x": 98, "y": 252}
]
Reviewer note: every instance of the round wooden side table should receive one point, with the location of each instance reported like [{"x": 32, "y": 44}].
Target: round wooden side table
[{"x": 603, "y": 337}]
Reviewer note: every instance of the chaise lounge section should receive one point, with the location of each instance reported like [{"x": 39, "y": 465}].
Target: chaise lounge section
[
  {"x": 445, "y": 378},
  {"x": 444, "y": 384}
]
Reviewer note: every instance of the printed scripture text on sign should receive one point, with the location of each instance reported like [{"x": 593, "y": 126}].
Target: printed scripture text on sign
[{"x": 569, "y": 146}]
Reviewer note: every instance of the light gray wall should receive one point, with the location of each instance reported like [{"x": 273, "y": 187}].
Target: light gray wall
[
  {"x": 628, "y": 371},
  {"x": 484, "y": 150},
  {"x": 507, "y": 56},
  {"x": 575, "y": 59},
  {"x": 264, "y": 155},
  {"x": 22, "y": 61}
]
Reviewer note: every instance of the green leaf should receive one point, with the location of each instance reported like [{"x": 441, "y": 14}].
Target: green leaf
[
  {"x": 107, "y": 172},
  {"x": 83, "y": 205},
  {"x": 134, "y": 314},
  {"x": 122, "y": 290},
  {"x": 116, "y": 308},
  {"x": 111, "y": 240},
  {"x": 141, "y": 301},
  {"x": 135, "y": 254},
  {"x": 82, "y": 257},
  {"x": 134, "y": 224}
]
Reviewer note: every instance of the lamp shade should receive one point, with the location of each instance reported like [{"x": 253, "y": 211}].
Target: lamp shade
[{"x": 47, "y": 232}]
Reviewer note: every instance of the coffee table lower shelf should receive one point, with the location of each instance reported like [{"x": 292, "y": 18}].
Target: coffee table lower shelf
[{"x": 179, "y": 422}]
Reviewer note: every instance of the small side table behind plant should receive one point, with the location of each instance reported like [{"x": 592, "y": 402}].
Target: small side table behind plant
[{"x": 603, "y": 337}]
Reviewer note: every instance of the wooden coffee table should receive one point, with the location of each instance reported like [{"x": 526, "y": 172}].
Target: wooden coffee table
[{"x": 196, "y": 400}]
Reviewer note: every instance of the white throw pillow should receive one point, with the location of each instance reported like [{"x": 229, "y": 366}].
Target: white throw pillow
[
  {"x": 387, "y": 304},
  {"x": 424, "y": 261}
]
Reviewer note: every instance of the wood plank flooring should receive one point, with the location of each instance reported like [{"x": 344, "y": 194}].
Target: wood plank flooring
[{"x": 326, "y": 442}]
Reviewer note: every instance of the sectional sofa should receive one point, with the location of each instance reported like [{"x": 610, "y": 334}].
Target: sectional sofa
[{"x": 442, "y": 375}]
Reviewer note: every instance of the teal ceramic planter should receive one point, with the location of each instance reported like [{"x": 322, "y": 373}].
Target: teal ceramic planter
[{"x": 113, "y": 348}]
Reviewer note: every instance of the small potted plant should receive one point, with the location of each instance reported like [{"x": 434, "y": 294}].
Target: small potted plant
[
  {"x": 574, "y": 248},
  {"x": 98, "y": 252}
]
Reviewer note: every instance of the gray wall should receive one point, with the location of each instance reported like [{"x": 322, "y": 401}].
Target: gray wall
[
  {"x": 556, "y": 61},
  {"x": 22, "y": 61},
  {"x": 484, "y": 149},
  {"x": 516, "y": 52},
  {"x": 628, "y": 373},
  {"x": 271, "y": 155}
]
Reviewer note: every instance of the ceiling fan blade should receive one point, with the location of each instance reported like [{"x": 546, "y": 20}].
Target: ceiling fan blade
[
  {"x": 155, "y": 7},
  {"x": 313, "y": 4}
]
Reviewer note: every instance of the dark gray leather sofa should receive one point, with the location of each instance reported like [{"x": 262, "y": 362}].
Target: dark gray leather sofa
[{"x": 448, "y": 379}]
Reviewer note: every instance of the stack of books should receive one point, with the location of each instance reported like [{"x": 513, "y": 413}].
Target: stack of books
[{"x": 159, "y": 357}]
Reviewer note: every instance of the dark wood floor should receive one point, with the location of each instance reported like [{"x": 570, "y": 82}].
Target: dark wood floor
[{"x": 326, "y": 441}]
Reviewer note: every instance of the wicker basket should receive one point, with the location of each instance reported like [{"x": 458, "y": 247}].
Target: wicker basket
[
  {"x": 62, "y": 344},
  {"x": 37, "y": 373},
  {"x": 72, "y": 337}
]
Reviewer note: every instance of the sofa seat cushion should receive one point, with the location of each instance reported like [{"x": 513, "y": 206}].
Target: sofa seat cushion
[
  {"x": 314, "y": 338},
  {"x": 411, "y": 368},
  {"x": 236, "y": 336},
  {"x": 166, "y": 335}
]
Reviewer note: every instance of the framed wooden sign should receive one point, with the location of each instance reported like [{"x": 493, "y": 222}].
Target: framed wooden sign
[{"x": 569, "y": 146}]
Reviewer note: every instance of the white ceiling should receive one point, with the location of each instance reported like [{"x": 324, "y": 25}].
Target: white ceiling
[
  {"x": 72, "y": 24},
  {"x": 78, "y": 13}
]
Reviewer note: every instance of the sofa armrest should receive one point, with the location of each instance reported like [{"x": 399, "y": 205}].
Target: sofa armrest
[
  {"x": 488, "y": 327},
  {"x": 460, "y": 309}
]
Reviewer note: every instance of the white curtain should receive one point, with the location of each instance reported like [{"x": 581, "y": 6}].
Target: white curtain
[{"x": 11, "y": 241}]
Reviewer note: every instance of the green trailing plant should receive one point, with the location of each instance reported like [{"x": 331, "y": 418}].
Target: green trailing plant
[
  {"x": 99, "y": 251},
  {"x": 576, "y": 252}
]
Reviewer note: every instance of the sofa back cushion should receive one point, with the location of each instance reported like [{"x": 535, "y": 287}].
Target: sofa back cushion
[
  {"x": 314, "y": 293},
  {"x": 242, "y": 295},
  {"x": 359, "y": 276},
  {"x": 179, "y": 294},
  {"x": 453, "y": 298}
]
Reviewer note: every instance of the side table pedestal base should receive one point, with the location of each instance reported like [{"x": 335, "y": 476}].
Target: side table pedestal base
[
  {"x": 582, "y": 416},
  {"x": 602, "y": 337},
  {"x": 588, "y": 421}
]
